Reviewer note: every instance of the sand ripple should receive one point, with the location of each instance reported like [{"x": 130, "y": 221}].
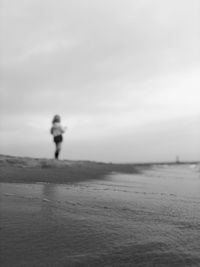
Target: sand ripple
[{"x": 151, "y": 219}]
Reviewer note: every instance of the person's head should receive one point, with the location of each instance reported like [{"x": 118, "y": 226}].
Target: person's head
[{"x": 56, "y": 118}]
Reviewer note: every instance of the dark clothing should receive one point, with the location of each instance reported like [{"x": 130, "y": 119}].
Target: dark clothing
[
  {"x": 56, "y": 154},
  {"x": 58, "y": 139}
]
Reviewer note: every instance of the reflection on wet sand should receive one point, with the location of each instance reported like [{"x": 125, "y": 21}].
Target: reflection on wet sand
[
  {"x": 48, "y": 198},
  {"x": 150, "y": 219}
]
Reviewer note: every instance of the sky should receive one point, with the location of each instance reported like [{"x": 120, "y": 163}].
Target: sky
[{"x": 123, "y": 74}]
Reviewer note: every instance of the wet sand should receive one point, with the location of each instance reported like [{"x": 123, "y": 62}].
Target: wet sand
[{"x": 150, "y": 217}]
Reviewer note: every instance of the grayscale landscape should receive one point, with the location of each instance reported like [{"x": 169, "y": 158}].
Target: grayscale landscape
[{"x": 100, "y": 133}]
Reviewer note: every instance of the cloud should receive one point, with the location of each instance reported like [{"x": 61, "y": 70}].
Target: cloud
[{"x": 107, "y": 66}]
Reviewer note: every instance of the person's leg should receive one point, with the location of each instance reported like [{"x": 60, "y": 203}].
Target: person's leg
[
  {"x": 58, "y": 148},
  {"x": 56, "y": 153}
]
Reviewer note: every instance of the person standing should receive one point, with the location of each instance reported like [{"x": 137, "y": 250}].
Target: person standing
[{"x": 57, "y": 131}]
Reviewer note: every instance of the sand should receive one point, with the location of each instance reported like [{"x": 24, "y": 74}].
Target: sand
[{"x": 94, "y": 214}]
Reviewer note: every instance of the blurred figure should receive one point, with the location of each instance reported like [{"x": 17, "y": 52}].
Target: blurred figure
[{"x": 57, "y": 130}]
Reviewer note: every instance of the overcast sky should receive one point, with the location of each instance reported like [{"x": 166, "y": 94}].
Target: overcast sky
[{"x": 123, "y": 74}]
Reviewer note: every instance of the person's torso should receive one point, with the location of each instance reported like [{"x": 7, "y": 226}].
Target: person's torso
[{"x": 56, "y": 129}]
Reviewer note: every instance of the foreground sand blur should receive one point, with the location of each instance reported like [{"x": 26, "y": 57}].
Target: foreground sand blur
[{"x": 101, "y": 214}]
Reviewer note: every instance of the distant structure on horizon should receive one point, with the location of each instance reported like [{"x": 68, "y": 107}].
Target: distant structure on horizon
[{"x": 177, "y": 160}]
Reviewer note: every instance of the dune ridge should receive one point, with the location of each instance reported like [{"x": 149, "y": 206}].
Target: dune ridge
[{"x": 30, "y": 170}]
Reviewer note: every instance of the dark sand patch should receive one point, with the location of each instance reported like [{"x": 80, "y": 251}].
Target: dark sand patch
[
  {"x": 28, "y": 170},
  {"x": 32, "y": 170}
]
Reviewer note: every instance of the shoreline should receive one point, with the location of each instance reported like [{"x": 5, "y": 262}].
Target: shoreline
[
  {"x": 96, "y": 214},
  {"x": 145, "y": 219},
  {"x": 33, "y": 170}
]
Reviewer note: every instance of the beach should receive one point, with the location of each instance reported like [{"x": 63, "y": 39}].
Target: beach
[{"x": 76, "y": 213}]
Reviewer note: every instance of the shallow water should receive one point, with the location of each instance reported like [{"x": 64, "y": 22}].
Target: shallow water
[{"x": 152, "y": 219}]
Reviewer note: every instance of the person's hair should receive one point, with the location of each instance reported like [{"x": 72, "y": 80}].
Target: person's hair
[{"x": 56, "y": 118}]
